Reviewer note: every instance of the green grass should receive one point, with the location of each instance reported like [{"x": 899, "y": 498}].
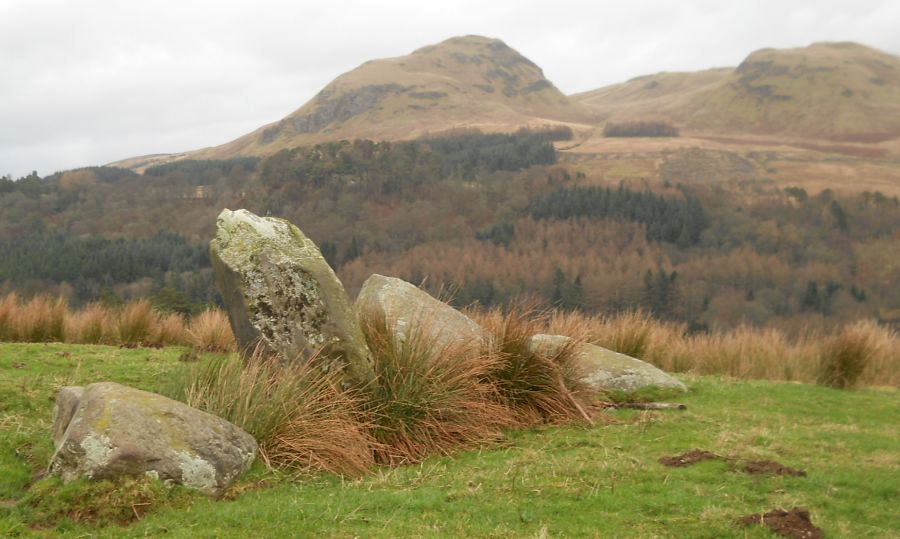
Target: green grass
[{"x": 601, "y": 481}]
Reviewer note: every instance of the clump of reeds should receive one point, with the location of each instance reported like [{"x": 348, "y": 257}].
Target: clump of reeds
[
  {"x": 210, "y": 331},
  {"x": 536, "y": 385},
  {"x": 170, "y": 329},
  {"x": 428, "y": 398},
  {"x": 9, "y": 306},
  {"x": 90, "y": 325},
  {"x": 845, "y": 357},
  {"x": 135, "y": 322},
  {"x": 41, "y": 319},
  {"x": 299, "y": 415}
]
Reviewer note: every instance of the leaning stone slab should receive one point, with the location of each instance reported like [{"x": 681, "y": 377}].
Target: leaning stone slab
[
  {"x": 605, "y": 369},
  {"x": 106, "y": 430},
  {"x": 279, "y": 290},
  {"x": 404, "y": 306}
]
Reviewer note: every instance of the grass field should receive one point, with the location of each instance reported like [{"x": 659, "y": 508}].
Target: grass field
[{"x": 600, "y": 481}]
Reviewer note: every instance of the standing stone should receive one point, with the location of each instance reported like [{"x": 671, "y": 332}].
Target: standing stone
[
  {"x": 404, "y": 306},
  {"x": 279, "y": 290},
  {"x": 605, "y": 369},
  {"x": 107, "y": 430}
]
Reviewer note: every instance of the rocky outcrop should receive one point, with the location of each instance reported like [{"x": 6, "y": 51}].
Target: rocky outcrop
[
  {"x": 279, "y": 290},
  {"x": 404, "y": 306},
  {"x": 605, "y": 369},
  {"x": 107, "y": 430}
]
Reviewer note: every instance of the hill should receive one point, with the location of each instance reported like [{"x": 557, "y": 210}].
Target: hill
[
  {"x": 461, "y": 83},
  {"x": 839, "y": 91}
]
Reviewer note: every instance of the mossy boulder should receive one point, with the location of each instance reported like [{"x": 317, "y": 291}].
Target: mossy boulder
[
  {"x": 106, "y": 430},
  {"x": 604, "y": 369},
  {"x": 280, "y": 291},
  {"x": 404, "y": 306}
]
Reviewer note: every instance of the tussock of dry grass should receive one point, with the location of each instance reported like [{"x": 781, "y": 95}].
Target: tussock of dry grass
[
  {"x": 9, "y": 306},
  {"x": 301, "y": 418},
  {"x": 210, "y": 331},
  {"x": 135, "y": 322},
  {"x": 170, "y": 329},
  {"x": 428, "y": 399},
  {"x": 90, "y": 325},
  {"x": 41, "y": 319},
  {"x": 846, "y": 356},
  {"x": 538, "y": 388}
]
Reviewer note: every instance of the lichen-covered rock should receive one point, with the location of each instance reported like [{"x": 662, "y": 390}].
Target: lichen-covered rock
[
  {"x": 110, "y": 430},
  {"x": 279, "y": 290},
  {"x": 605, "y": 369},
  {"x": 404, "y": 306}
]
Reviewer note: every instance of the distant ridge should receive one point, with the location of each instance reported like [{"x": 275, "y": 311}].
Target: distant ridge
[
  {"x": 838, "y": 91},
  {"x": 841, "y": 91}
]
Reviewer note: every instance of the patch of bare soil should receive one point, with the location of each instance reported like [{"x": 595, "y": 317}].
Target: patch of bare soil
[
  {"x": 794, "y": 523},
  {"x": 770, "y": 468},
  {"x": 686, "y": 459}
]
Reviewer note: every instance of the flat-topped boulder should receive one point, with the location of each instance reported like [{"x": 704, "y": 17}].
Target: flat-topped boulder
[
  {"x": 404, "y": 307},
  {"x": 605, "y": 369},
  {"x": 106, "y": 430},
  {"x": 280, "y": 291}
]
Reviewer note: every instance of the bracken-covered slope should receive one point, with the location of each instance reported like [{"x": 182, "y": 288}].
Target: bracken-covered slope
[
  {"x": 842, "y": 91},
  {"x": 463, "y": 82}
]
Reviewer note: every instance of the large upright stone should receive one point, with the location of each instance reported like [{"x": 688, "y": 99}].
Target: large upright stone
[
  {"x": 405, "y": 307},
  {"x": 107, "y": 430},
  {"x": 605, "y": 369},
  {"x": 279, "y": 290}
]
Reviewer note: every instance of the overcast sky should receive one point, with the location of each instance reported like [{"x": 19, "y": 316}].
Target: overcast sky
[{"x": 87, "y": 82}]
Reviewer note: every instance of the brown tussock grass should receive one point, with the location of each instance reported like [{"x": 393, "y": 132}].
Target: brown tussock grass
[
  {"x": 538, "y": 387},
  {"x": 90, "y": 325},
  {"x": 9, "y": 305},
  {"x": 429, "y": 398},
  {"x": 170, "y": 329},
  {"x": 299, "y": 415},
  {"x": 210, "y": 331},
  {"x": 41, "y": 319},
  {"x": 848, "y": 355},
  {"x": 135, "y": 322}
]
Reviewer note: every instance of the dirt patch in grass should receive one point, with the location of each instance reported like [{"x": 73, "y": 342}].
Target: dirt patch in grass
[
  {"x": 794, "y": 523},
  {"x": 686, "y": 459},
  {"x": 752, "y": 467},
  {"x": 757, "y": 467}
]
